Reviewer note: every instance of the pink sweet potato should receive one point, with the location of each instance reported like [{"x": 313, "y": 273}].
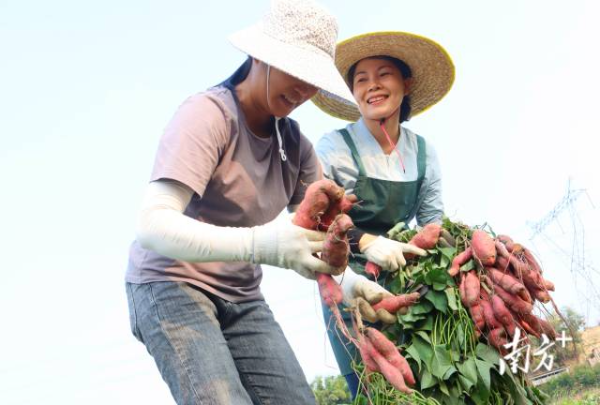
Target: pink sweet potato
[
  {"x": 373, "y": 269},
  {"x": 393, "y": 304},
  {"x": 509, "y": 283},
  {"x": 426, "y": 238},
  {"x": 459, "y": 260},
  {"x": 472, "y": 288},
  {"x": 512, "y": 301},
  {"x": 484, "y": 248},
  {"x": 336, "y": 247},
  {"x": 317, "y": 199}
]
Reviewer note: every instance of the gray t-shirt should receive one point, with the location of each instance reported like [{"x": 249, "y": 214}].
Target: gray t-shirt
[{"x": 238, "y": 180}]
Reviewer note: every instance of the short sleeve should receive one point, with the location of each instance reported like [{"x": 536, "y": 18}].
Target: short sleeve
[
  {"x": 309, "y": 170},
  {"x": 193, "y": 143}
]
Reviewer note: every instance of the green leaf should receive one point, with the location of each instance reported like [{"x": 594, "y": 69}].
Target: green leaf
[
  {"x": 438, "y": 299},
  {"x": 424, "y": 335},
  {"x": 470, "y": 265},
  {"x": 444, "y": 388},
  {"x": 441, "y": 361},
  {"x": 483, "y": 368},
  {"x": 451, "y": 297},
  {"x": 426, "y": 325},
  {"x": 424, "y": 350},
  {"x": 427, "y": 381},
  {"x": 449, "y": 373},
  {"x": 468, "y": 370},
  {"x": 422, "y": 307},
  {"x": 437, "y": 276},
  {"x": 409, "y": 318},
  {"x": 414, "y": 354},
  {"x": 487, "y": 353},
  {"x": 465, "y": 382}
]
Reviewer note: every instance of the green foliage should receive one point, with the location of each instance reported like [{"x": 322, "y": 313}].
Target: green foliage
[
  {"x": 331, "y": 390},
  {"x": 578, "y": 379},
  {"x": 437, "y": 337}
]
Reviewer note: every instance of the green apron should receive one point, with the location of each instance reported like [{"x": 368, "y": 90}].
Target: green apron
[{"x": 383, "y": 203}]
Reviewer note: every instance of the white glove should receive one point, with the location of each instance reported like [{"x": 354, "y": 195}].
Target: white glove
[
  {"x": 388, "y": 253},
  {"x": 359, "y": 291},
  {"x": 283, "y": 244}
]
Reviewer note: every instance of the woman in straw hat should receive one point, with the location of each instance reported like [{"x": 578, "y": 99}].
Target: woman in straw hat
[
  {"x": 394, "y": 172},
  {"x": 228, "y": 163}
]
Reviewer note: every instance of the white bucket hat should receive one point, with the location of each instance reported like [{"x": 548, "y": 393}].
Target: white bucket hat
[{"x": 297, "y": 37}]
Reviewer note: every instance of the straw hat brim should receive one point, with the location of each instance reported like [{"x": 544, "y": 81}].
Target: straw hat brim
[
  {"x": 431, "y": 66},
  {"x": 308, "y": 63}
]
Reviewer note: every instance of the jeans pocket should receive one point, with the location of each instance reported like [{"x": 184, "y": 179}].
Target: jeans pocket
[{"x": 132, "y": 312}]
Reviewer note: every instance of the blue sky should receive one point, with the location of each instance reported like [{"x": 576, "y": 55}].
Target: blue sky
[{"x": 87, "y": 87}]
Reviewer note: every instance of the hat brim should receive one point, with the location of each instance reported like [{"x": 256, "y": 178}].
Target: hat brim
[
  {"x": 431, "y": 66},
  {"x": 311, "y": 64}
]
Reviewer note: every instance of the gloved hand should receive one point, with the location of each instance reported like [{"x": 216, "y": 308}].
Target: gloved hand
[
  {"x": 282, "y": 244},
  {"x": 358, "y": 291},
  {"x": 388, "y": 253}
]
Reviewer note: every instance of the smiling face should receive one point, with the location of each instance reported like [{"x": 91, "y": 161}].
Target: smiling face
[
  {"x": 378, "y": 88},
  {"x": 286, "y": 92}
]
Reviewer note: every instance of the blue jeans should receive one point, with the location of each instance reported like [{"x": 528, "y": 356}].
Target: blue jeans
[{"x": 212, "y": 351}]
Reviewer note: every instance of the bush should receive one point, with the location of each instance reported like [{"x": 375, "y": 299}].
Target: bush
[{"x": 580, "y": 378}]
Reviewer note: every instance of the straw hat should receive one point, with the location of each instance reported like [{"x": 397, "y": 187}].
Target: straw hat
[
  {"x": 431, "y": 67},
  {"x": 297, "y": 37}
]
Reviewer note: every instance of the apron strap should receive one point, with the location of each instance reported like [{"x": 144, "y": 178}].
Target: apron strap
[
  {"x": 354, "y": 151},
  {"x": 421, "y": 159}
]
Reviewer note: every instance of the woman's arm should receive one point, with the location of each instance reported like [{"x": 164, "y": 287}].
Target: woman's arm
[
  {"x": 162, "y": 227},
  {"x": 431, "y": 205}
]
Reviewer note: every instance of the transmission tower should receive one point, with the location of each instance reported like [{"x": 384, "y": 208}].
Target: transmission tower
[{"x": 580, "y": 268}]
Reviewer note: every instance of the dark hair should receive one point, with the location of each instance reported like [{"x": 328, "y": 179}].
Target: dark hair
[{"x": 404, "y": 71}]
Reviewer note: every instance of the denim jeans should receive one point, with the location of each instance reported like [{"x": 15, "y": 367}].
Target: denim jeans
[{"x": 212, "y": 351}]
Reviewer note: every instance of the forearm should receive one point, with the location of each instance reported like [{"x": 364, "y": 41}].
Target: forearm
[{"x": 163, "y": 228}]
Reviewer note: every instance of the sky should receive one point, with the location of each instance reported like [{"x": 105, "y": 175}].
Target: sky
[{"x": 86, "y": 89}]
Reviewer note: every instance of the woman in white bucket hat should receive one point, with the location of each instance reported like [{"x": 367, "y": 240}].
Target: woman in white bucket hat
[
  {"x": 394, "y": 172},
  {"x": 228, "y": 163}
]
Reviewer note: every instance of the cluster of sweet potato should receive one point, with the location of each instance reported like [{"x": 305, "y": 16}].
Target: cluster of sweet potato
[{"x": 501, "y": 291}]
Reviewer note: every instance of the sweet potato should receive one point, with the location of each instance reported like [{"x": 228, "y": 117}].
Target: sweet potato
[
  {"x": 336, "y": 247},
  {"x": 488, "y": 312},
  {"x": 330, "y": 291},
  {"x": 497, "y": 338},
  {"x": 527, "y": 328},
  {"x": 513, "y": 301},
  {"x": 389, "y": 351},
  {"x": 534, "y": 322},
  {"x": 535, "y": 266},
  {"x": 483, "y": 247},
  {"x": 391, "y": 373},
  {"x": 365, "y": 348},
  {"x": 549, "y": 285},
  {"x": 373, "y": 269},
  {"x": 448, "y": 237},
  {"x": 509, "y": 283},
  {"x": 476, "y": 311},
  {"x": 393, "y": 304},
  {"x": 472, "y": 288},
  {"x": 459, "y": 260},
  {"x": 317, "y": 199},
  {"x": 336, "y": 207},
  {"x": 502, "y": 263},
  {"x": 501, "y": 249},
  {"x": 540, "y": 295},
  {"x": 426, "y": 238},
  {"x": 502, "y": 314}
]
